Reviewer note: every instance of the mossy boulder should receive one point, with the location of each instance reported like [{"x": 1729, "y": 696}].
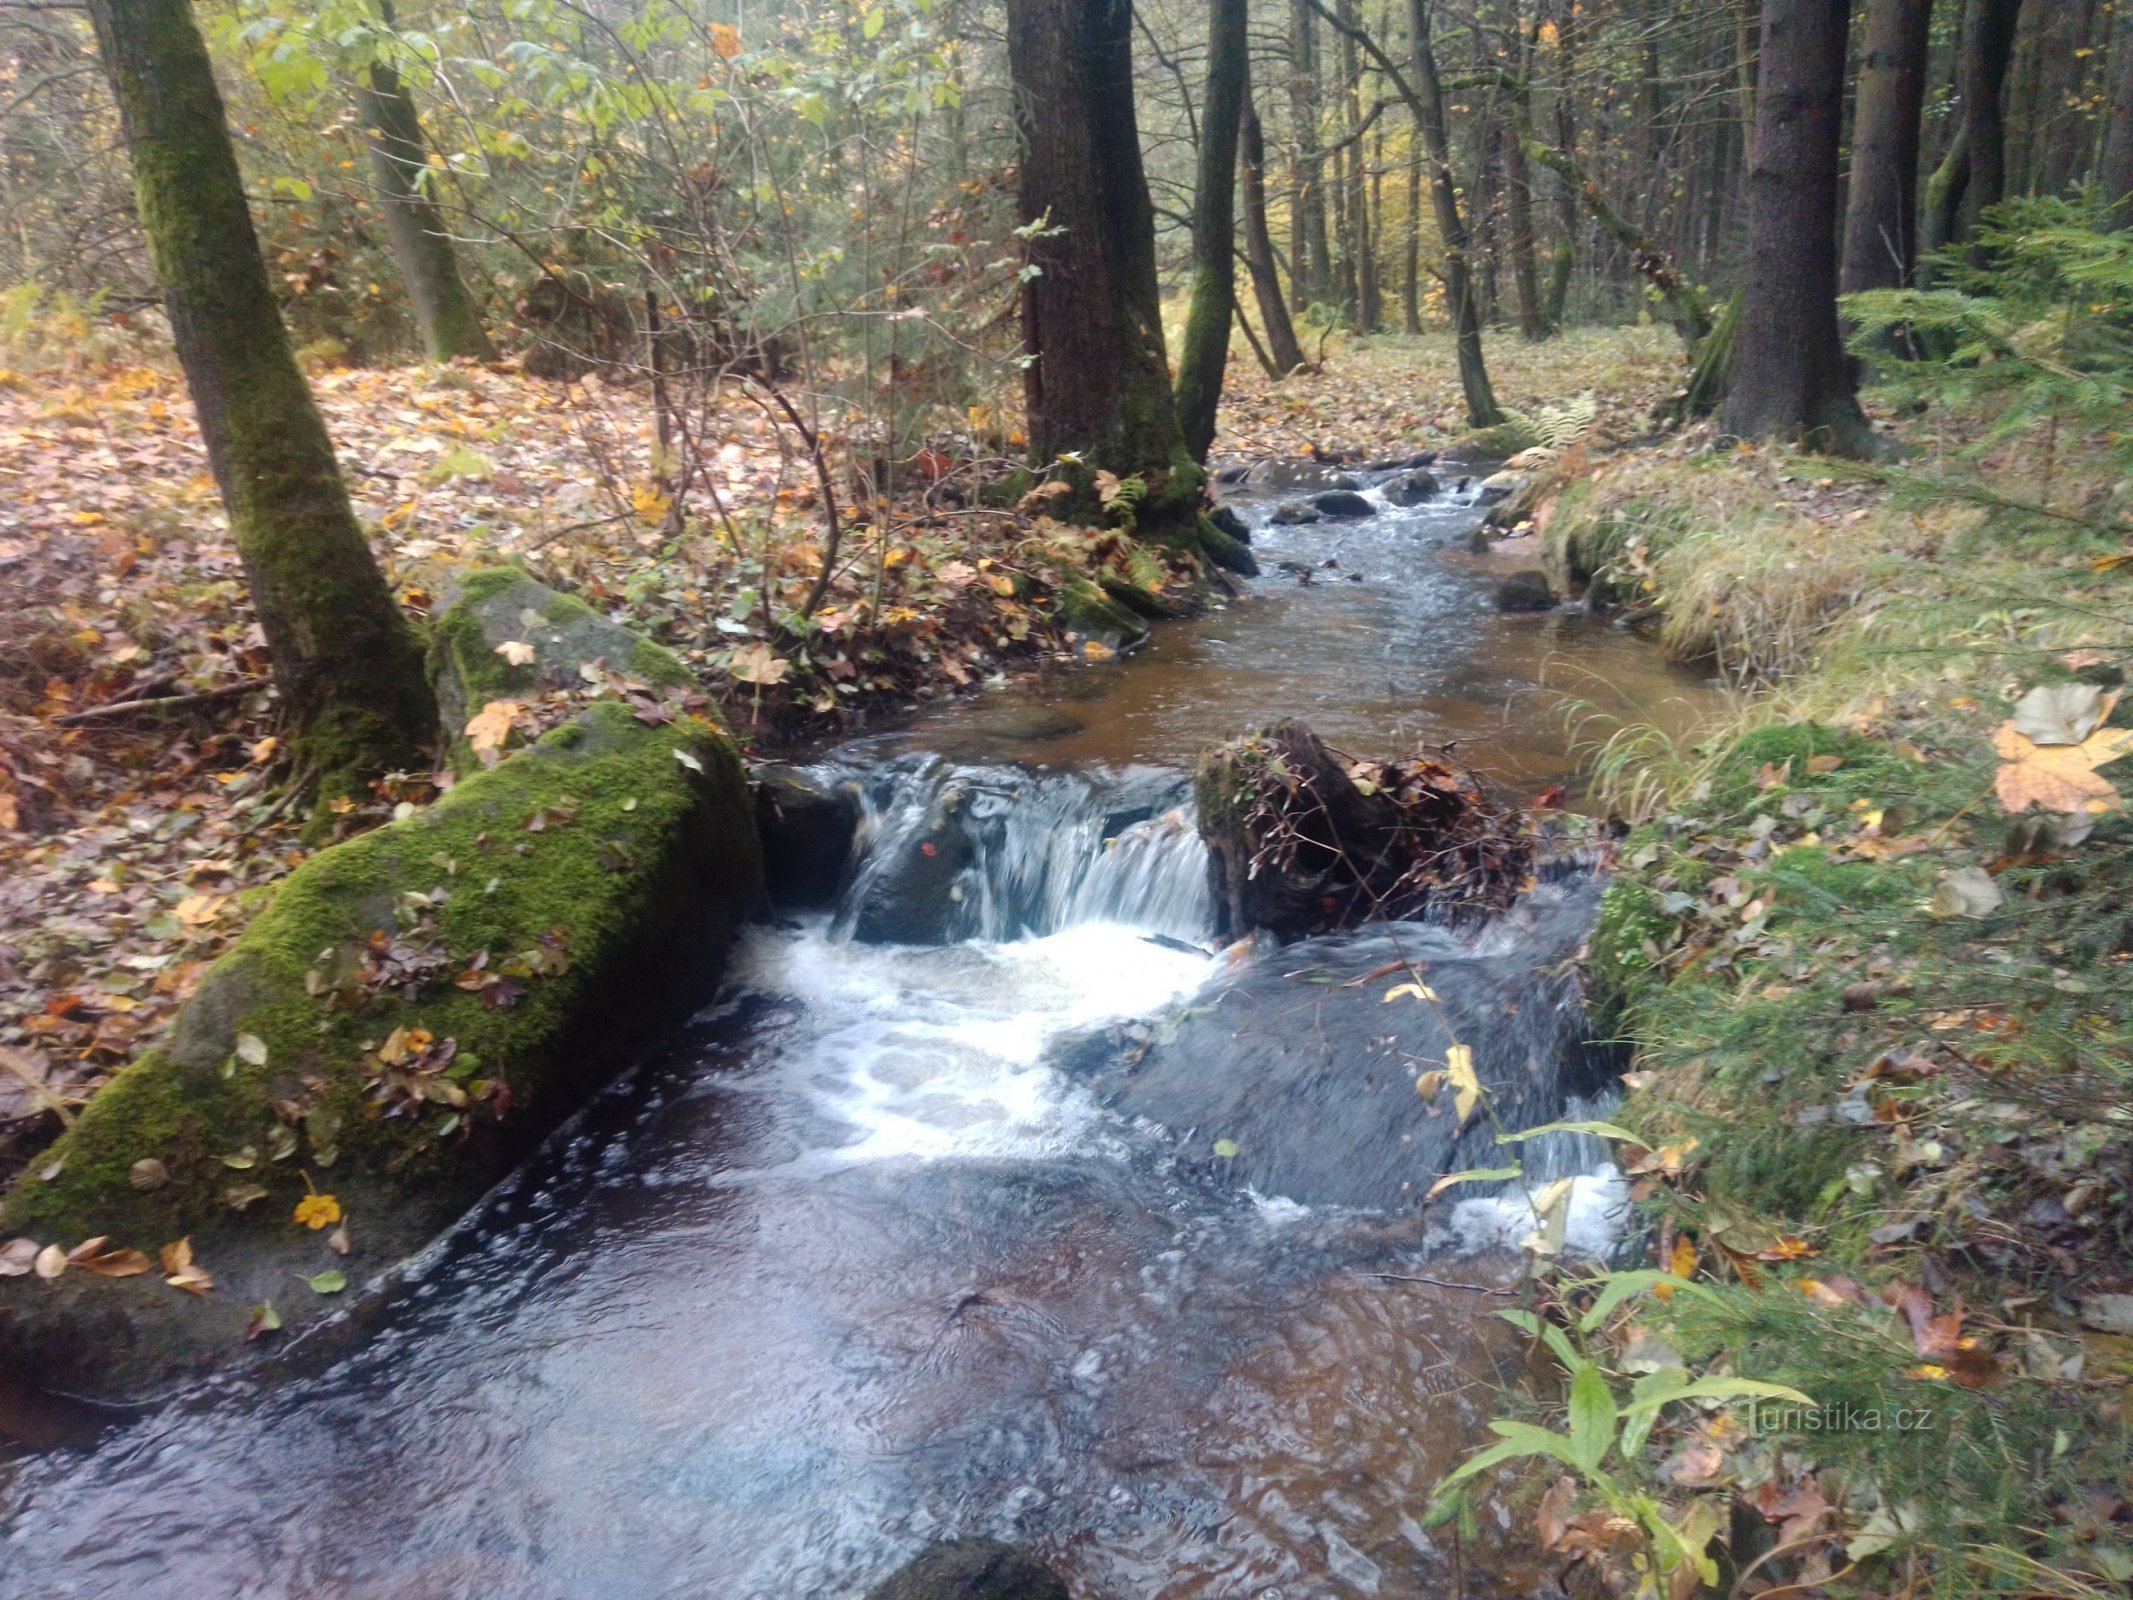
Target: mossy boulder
[
  {"x": 505, "y": 606},
  {"x": 412, "y": 1012}
]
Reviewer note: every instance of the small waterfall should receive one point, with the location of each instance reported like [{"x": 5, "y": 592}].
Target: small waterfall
[{"x": 947, "y": 853}]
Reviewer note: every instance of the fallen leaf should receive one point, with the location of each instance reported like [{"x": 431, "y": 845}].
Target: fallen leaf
[
  {"x": 2060, "y": 713},
  {"x": 51, "y": 1262},
  {"x": 148, "y": 1173},
  {"x": 489, "y": 729},
  {"x": 2058, "y": 777},
  {"x": 318, "y": 1211},
  {"x": 517, "y": 652},
  {"x": 18, "y": 1257},
  {"x": 1966, "y": 892},
  {"x": 92, "y": 1256},
  {"x": 265, "y": 1320},
  {"x": 182, "y": 1274},
  {"x": 332, "y": 1282}
]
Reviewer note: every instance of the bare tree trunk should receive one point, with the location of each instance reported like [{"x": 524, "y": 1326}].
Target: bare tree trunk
[
  {"x": 1790, "y": 378},
  {"x": 1411, "y": 279},
  {"x": 1518, "y": 187},
  {"x": 1482, "y": 410},
  {"x": 1286, "y": 354},
  {"x": 1205, "y": 349},
  {"x": 447, "y": 315},
  {"x": 1310, "y": 256},
  {"x": 1881, "y": 219},
  {"x": 2114, "y": 171},
  {"x": 1564, "y": 257},
  {"x": 1988, "y": 47},
  {"x": 345, "y": 660}
]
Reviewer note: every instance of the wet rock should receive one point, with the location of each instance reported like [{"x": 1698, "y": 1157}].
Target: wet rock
[
  {"x": 1026, "y": 724},
  {"x": 1342, "y": 505},
  {"x": 1477, "y": 541},
  {"x": 1499, "y": 486},
  {"x": 1291, "y": 1041},
  {"x": 972, "y": 1569},
  {"x": 1420, "y": 458},
  {"x": 1232, "y": 472},
  {"x": 1308, "y": 475},
  {"x": 1226, "y": 518},
  {"x": 1294, "y": 513},
  {"x": 1525, "y": 591},
  {"x": 1413, "y": 488},
  {"x": 807, "y": 819}
]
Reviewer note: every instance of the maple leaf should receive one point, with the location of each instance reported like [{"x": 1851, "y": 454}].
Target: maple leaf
[
  {"x": 517, "y": 652},
  {"x": 489, "y": 729},
  {"x": 758, "y": 664},
  {"x": 2059, "y": 777}
]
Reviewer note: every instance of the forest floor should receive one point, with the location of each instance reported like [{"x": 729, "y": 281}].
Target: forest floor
[{"x": 134, "y": 846}]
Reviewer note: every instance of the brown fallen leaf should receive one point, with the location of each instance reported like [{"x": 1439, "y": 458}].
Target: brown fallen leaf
[
  {"x": 91, "y": 1255},
  {"x": 489, "y": 729},
  {"x": 182, "y": 1274},
  {"x": 17, "y": 1258},
  {"x": 51, "y": 1262}
]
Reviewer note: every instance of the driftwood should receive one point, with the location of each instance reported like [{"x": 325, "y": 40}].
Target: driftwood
[{"x": 1302, "y": 840}]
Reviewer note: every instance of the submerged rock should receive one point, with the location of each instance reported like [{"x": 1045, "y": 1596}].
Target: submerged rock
[
  {"x": 807, "y": 820},
  {"x": 1525, "y": 591},
  {"x": 413, "y": 1011},
  {"x": 1343, "y": 505},
  {"x": 1294, "y": 513},
  {"x": 1298, "y": 1068},
  {"x": 972, "y": 1569},
  {"x": 1413, "y": 488}
]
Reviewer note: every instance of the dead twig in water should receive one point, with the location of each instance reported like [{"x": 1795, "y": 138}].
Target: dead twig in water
[{"x": 1436, "y": 1283}]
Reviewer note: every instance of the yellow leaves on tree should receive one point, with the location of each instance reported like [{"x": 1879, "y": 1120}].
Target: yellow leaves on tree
[
  {"x": 2050, "y": 750},
  {"x": 725, "y": 40}
]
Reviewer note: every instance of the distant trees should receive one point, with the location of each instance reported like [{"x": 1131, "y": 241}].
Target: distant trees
[
  {"x": 1881, "y": 216},
  {"x": 1789, "y": 376},
  {"x": 1205, "y": 349},
  {"x": 345, "y": 660}
]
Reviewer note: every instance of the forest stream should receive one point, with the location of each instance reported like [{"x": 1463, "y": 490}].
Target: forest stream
[{"x": 894, "y": 1242}]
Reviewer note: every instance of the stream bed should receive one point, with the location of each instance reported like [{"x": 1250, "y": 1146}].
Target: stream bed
[{"x": 914, "y": 1232}]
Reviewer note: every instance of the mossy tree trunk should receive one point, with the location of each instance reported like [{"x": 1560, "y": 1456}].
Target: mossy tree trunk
[
  {"x": 1284, "y": 350},
  {"x": 1563, "y": 259},
  {"x": 1790, "y": 378},
  {"x": 345, "y": 659},
  {"x": 1533, "y": 321},
  {"x": 1311, "y": 252},
  {"x": 1881, "y": 218},
  {"x": 1214, "y": 244},
  {"x": 445, "y": 312},
  {"x": 1097, "y": 385}
]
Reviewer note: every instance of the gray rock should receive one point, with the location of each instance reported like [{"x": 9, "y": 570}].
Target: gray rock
[
  {"x": 1298, "y": 475},
  {"x": 1294, "y": 513},
  {"x": 1343, "y": 505},
  {"x": 972, "y": 1569},
  {"x": 1525, "y": 591},
  {"x": 1499, "y": 486},
  {"x": 807, "y": 819},
  {"x": 1413, "y": 488}
]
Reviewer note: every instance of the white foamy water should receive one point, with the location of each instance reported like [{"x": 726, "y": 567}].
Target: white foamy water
[{"x": 928, "y": 1052}]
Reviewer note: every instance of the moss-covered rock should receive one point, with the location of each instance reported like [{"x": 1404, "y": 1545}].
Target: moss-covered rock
[
  {"x": 416, "y": 1007},
  {"x": 506, "y": 606}
]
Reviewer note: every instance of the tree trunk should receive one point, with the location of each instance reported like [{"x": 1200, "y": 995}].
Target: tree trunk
[
  {"x": 446, "y": 314},
  {"x": 1482, "y": 410},
  {"x": 1988, "y": 46},
  {"x": 1286, "y": 354},
  {"x": 1564, "y": 257},
  {"x": 1790, "y": 378},
  {"x": 1518, "y": 185},
  {"x": 1944, "y": 198},
  {"x": 1097, "y": 383},
  {"x": 344, "y": 657},
  {"x": 1311, "y": 252},
  {"x": 1348, "y": 200},
  {"x": 1881, "y": 218},
  {"x": 2114, "y": 170},
  {"x": 1411, "y": 278},
  {"x": 1205, "y": 349}
]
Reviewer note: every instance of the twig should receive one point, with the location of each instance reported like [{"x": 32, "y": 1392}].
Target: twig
[
  {"x": 1436, "y": 1283},
  {"x": 553, "y": 534},
  {"x": 167, "y": 702}
]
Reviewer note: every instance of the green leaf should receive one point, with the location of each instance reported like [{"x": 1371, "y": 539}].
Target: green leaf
[
  {"x": 871, "y": 26},
  {"x": 1722, "y": 1389},
  {"x": 1476, "y": 1175},
  {"x": 1592, "y": 1416},
  {"x": 1226, "y": 1149},
  {"x": 1620, "y": 1286},
  {"x": 1519, "y": 1440},
  {"x": 1549, "y": 1334},
  {"x": 251, "y": 1049},
  {"x": 1604, "y": 1130},
  {"x": 332, "y": 1282},
  {"x": 1637, "y": 1419}
]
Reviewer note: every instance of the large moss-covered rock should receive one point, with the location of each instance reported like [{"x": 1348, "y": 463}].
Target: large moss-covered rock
[{"x": 416, "y": 1007}]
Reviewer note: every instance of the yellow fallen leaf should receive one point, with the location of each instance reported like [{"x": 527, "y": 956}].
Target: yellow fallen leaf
[
  {"x": 1459, "y": 1070},
  {"x": 318, "y": 1211},
  {"x": 1418, "y": 991},
  {"x": 489, "y": 729},
  {"x": 517, "y": 652}
]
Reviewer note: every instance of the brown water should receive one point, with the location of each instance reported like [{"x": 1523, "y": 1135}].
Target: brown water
[{"x": 855, "y": 1264}]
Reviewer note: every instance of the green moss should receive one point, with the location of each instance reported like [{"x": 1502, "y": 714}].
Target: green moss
[
  {"x": 629, "y": 845},
  {"x": 1794, "y": 749},
  {"x": 1085, "y": 609}
]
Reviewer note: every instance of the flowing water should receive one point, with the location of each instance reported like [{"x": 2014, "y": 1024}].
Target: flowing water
[{"x": 919, "y": 1228}]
